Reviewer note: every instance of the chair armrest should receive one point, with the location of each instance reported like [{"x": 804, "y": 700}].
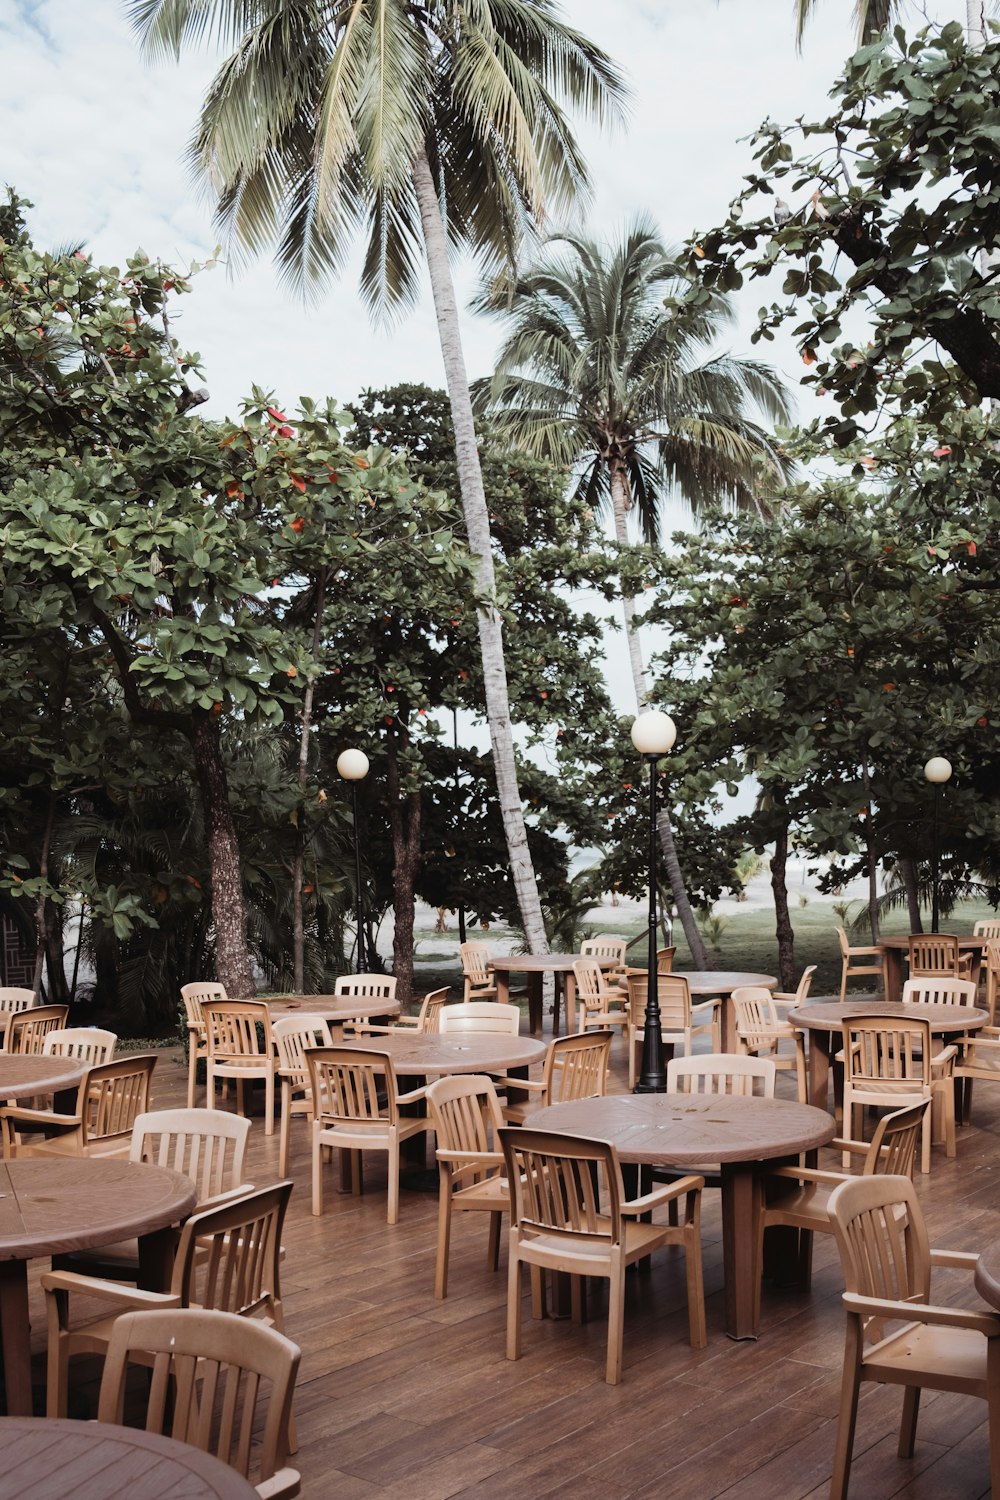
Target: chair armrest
[
  {"x": 40, "y": 1117},
  {"x": 533, "y": 1086},
  {"x": 471, "y": 1158},
  {"x": 635, "y": 1206},
  {"x": 947, "y": 1054},
  {"x": 412, "y": 1097},
  {"x": 810, "y": 1174},
  {"x": 122, "y": 1296},
  {"x": 965, "y": 1259},
  {"x": 922, "y": 1312},
  {"x": 844, "y": 1143}
]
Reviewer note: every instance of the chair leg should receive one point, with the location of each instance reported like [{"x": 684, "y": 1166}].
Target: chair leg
[
  {"x": 800, "y": 1070},
  {"x": 192, "y": 1072},
  {"x": 286, "y": 1110},
  {"x": 908, "y": 1425},
  {"x": 493, "y": 1252},
  {"x": 317, "y": 1175},
  {"x": 848, "y": 1415},
  {"x": 514, "y": 1303},
  {"x": 269, "y": 1103},
  {"x": 925, "y": 1142},
  {"x": 697, "y": 1329},
  {"x": 616, "y": 1321},
  {"x": 443, "y": 1241},
  {"x": 393, "y": 1209}
]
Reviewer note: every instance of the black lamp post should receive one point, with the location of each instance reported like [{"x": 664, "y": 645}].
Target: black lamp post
[
  {"x": 352, "y": 766},
  {"x": 653, "y": 734},
  {"x": 454, "y": 737},
  {"x": 937, "y": 771}
]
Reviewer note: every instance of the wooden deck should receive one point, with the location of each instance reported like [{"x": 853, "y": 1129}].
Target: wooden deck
[{"x": 400, "y": 1395}]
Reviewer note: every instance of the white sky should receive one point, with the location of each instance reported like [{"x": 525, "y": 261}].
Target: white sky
[{"x": 95, "y": 138}]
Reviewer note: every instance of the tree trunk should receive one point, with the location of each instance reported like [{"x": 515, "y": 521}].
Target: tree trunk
[
  {"x": 911, "y": 885},
  {"x": 620, "y": 500},
  {"x": 783, "y": 921},
  {"x": 404, "y": 825},
  {"x": 477, "y": 525},
  {"x": 298, "y": 859},
  {"x": 871, "y": 855},
  {"x": 43, "y": 871},
  {"x": 232, "y": 958}
]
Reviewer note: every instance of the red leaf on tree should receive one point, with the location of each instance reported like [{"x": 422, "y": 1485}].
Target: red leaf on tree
[{"x": 298, "y": 482}]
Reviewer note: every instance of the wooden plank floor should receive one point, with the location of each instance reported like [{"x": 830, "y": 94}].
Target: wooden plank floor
[{"x": 400, "y": 1395}]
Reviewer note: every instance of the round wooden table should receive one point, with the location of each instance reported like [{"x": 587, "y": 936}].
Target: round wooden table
[
  {"x": 705, "y": 983},
  {"x": 49, "y": 1206},
  {"x": 46, "y": 1456},
  {"x": 896, "y": 948},
  {"x": 24, "y": 1077},
  {"x": 336, "y": 1009},
  {"x": 433, "y": 1055},
  {"x": 687, "y": 1130},
  {"x": 987, "y": 1275},
  {"x": 535, "y": 966},
  {"x": 824, "y": 1024}
]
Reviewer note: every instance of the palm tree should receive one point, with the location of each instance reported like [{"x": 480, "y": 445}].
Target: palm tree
[
  {"x": 598, "y": 374},
  {"x": 874, "y": 17},
  {"x": 437, "y": 126}
]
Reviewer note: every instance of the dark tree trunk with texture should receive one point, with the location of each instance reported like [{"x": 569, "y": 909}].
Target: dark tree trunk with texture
[
  {"x": 404, "y": 825},
  {"x": 232, "y": 958},
  {"x": 782, "y": 917},
  {"x": 911, "y": 885}
]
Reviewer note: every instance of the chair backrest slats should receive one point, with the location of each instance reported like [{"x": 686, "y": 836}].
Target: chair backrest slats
[
  {"x": 933, "y": 953},
  {"x": 556, "y": 1184},
  {"x": 481, "y": 1016},
  {"x": 721, "y": 1073},
  {"x": 674, "y": 998},
  {"x": 366, "y": 986},
  {"x": 89, "y": 1044},
  {"x": 14, "y": 997},
  {"x": 28, "y": 1029},
  {"x": 942, "y": 989},
  {"x": 345, "y": 1084},
  {"x": 576, "y": 1066},
  {"x": 891, "y": 1054},
  {"x": 292, "y": 1036},
  {"x": 208, "y": 1145}
]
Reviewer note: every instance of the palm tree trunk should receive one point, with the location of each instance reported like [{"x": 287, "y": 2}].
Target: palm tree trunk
[
  {"x": 911, "y": 885},
  {"x": 477, "y": 525},
  {"x": 404, "y": 825},
  {"x": 620, "y": 501}
]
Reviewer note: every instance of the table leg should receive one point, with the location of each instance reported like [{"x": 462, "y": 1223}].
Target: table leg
[
  {"x": 569, "y": 998},
  {"x": 728, "y": 1022},
  {"x": 16, "y": 1336},
  {"x": 502, "y": 977},
  {"x": 535, "y": 982},
  {"x": 739, "y": 1247},
  {"x": 819, "y": 1067},
  {"x": 156, "y": 1259},
  {"x": 893, "y": 975}
]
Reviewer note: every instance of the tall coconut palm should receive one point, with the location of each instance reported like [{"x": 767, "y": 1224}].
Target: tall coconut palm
[
  {"x": 434, "y": 125},
  {"x": 874, "y": 17},
  {"x": 595, "y": 372}
]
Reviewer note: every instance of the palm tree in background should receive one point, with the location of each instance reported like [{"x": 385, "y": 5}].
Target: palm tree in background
[
  {"x": 434, "y": 126},
  {"x": 876, "y": 16},
  {"x": 597, "y": 373}
]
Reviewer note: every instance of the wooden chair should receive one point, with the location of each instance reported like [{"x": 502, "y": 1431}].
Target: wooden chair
[
  {"x": 858, "y": 961},
  {"x": 109, "y": 1098},
  {"x": 937, "y": 953},
  {"x": 722, "y": 1073},
  {"x": 978, "y": 1057},
  {"x": 799, "y": 1197},
  {"x": 292, "y": 1035},
  {"x": 480, "y": 981},
  {"x": 426, "y": 1022},
  {"x": 366, "y": 986},
  {"x": 607, "y": 945},
  {"x": 240, "y": 1046},
  {"x": 761, "y": 1029},
  {"x": 194, "y": 998},
  {"x": 800, "y": 994},
  {"x": 680, "y": 1021},
  {"x": 355, "y": 1108},
  {"x": 889, "y": 1063},
  {"x": 569, "y": 1213},
  {"x": 665, "y": 960},
  {"x": 228, "y": 1257},
  {"x": 887, "y": 1262},
  {"x": 210, "y": 1374},
  {"x": 600, "y": 1002},
  {"x": 987, "y": 927},
  {"x": 991, "y": 974},
  {"x": 480, "y": 1015},
  {"x": 89, "y": 1044},
  {"x": 465, "y": 1116},
  {"x": 207, "y": 1145},
  {"x": 575, "y": 1067},
  {"x": 14, "y": 998},
  {"x": 941, "y": 989},
  {"x": 27, "y": 1029}
]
